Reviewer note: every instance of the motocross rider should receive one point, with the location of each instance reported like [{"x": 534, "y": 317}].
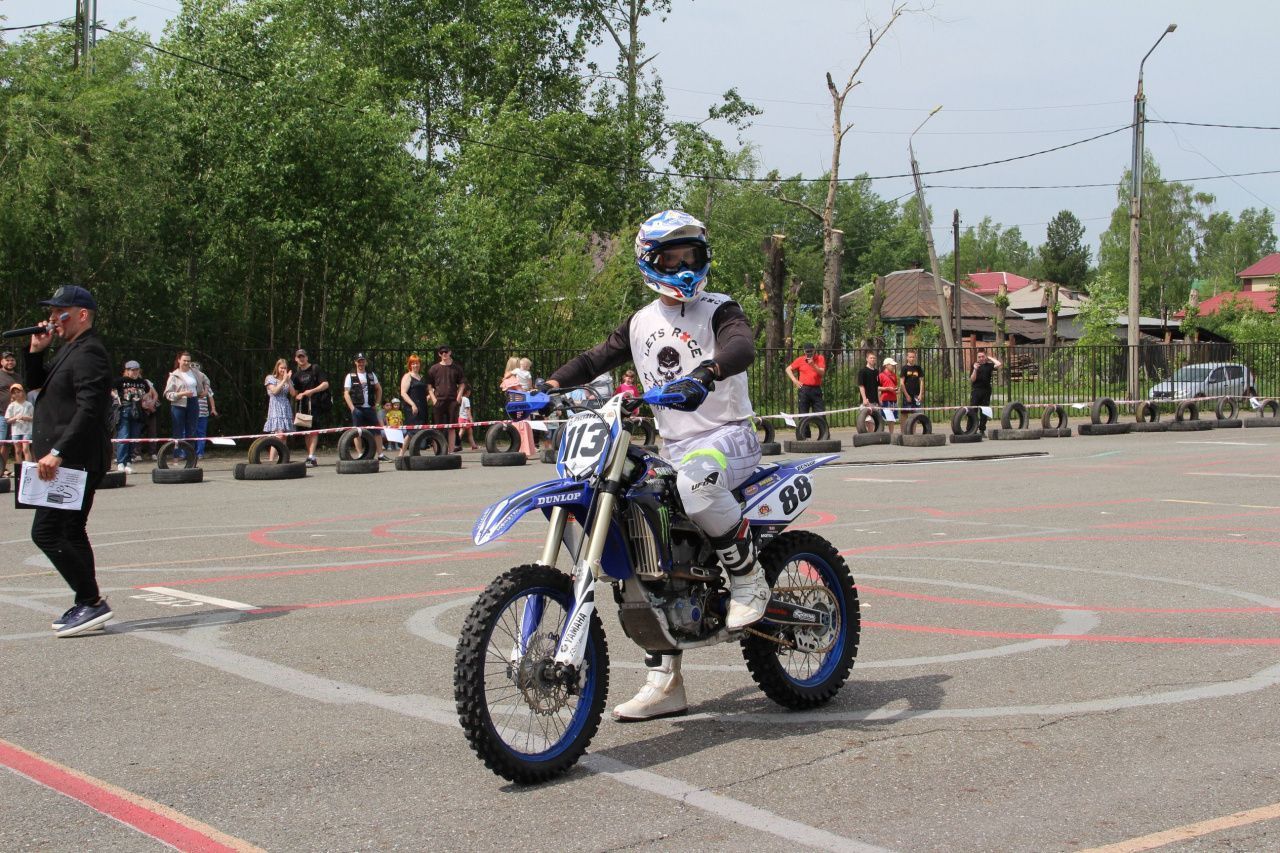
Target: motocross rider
[{"x": 698, "y": 344}]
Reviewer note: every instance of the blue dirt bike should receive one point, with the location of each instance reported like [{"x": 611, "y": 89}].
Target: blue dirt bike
[{"x": 532, "y": 667}]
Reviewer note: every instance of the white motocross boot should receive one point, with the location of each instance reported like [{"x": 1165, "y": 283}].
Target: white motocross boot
[
  {"x": 662, "y": 694},
  {"x": 748, "y": 589}
]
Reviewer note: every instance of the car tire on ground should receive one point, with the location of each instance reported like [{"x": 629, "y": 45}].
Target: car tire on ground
[
  {"x": 1146, "y": 412},
  {"x": 1103, "y": 407},
  {"x": 114, "y": 480},
  {"x": 1270, "y": 409},
  {"x": 1103, "y": 429},
  {"x": 347, "y": 441},
  {"x": 813, "y": 445},
  {"x": 1009, "y": 412},
  {"x": 1060, "y": 432},
  {"x": 813, "y": 428},
  {"x": 964, "y": 421},
  {"x": 424, "y": 440},
  {"x": 866, "y": 439},
  {"x": 278, "y": 471},
  {"x": 1187, "y": 410},
  {"x": 765, "y": 428},
  {"x": 1226, "y": 409},
  {"x": 917, "y": 418},
  {"x": 770, "y": 448},
  {"x": 965, "y": 437},
  {"x": 358, "y": 466},
  {"x": 928, "y": 439},
  {"x": 1191, "y": 426},
  {"x": 641, "y": 429},
  {"x": 877, "y": 419},
  {"x": 165, "y": 454},
  {"x": 1003, "y": 434},
  {"x": 502, "y": 460},
  {"x": 6, "y": 484},
  {"x": 270, "y": 442},
  {"x": 548, "y": 455},
  {"x": 442, "y": 462},
  {"x": 502, "y": 438},
  {"x": 1228, "y": 423},
  {"x": 1054, "y": 418},
  {"x": 1150, "y": 426},
  {"x": 177, "y": 475}
]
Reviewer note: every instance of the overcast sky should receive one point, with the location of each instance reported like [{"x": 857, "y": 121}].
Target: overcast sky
[{"x": 1012, "y": 77}]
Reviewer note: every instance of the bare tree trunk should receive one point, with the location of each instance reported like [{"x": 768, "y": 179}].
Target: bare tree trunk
[
  {"x": 1051, "y": 315},
  {"x": 871, "y": 341},
  {"x": 771, "y": 291},
  {"x": 789, "y": 314},
  {"x": 832, "y": 263},
  {"x": 1002, "y": 299}
]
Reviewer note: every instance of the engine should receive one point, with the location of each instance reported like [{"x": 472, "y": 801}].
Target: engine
[{"x": 685, "y": 606}]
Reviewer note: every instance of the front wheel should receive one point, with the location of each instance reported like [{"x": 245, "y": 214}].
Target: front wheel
[
  {"x": 802, "y": 667},
  {"x": 528, "y": 719}
]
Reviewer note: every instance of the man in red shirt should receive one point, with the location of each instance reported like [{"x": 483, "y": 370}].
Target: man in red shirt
[
  {"x": 889, "y": 392},
  {"x": 811, "y": 368}
]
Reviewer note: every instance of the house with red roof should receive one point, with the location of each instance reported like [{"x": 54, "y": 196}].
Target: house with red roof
[{"x": 1257, "y": 289}]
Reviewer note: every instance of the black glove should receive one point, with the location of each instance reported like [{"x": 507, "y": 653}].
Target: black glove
[
  {"x": 544, "y": 387},
  {"x": 695, "y": 387}
]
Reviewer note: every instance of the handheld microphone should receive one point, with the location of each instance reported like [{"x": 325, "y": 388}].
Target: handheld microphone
[
  {"x": 27, "y": 330},
  {"x": 40, "y": 329}
]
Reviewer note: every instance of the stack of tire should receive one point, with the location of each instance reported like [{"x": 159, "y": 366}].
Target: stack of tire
[
  {"x": 870, "y": 427},
  {"x": 281, "y": 469},
  {"x": 769, "y": 445},
  {"x": 1268, "y": 415},
  {"x": 1015, "y": 411},
  {"x": 813, "y": 435},
  {"x": 964, "y": 426},
  {"x": 189, "y": 473},
  {"x": 425, "y": 450},
  {"x": 1104, "y": 419},
  {"x": 502, "y": 447},
  {"x": 1186, "y": 418},
  {"x": 917, "y": 431},
  {"x": 1053, "y": 423},
  {"x": 1147, "y": 418}
]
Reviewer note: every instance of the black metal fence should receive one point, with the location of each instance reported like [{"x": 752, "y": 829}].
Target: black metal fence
[{"x": 1031, "y": 374}]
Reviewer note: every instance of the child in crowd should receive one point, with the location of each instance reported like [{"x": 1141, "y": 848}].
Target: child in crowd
[
  {"x": 394, "y": 416},
  {"x": 523, "y": 375},
  {"x": 18, "y": 415},
  {"x": 464, "y": 417}
]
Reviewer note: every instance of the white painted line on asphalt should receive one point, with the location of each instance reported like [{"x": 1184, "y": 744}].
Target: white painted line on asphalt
[
  {"x": 1215, "y": 503},
  {"x": 1229, "y": 474},
  {"x": 203, "y": 599},
  {"x": 1228, "y": 443}
]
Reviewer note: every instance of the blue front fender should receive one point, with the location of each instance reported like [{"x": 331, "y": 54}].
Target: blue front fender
[{"x": 574, "y": 495}]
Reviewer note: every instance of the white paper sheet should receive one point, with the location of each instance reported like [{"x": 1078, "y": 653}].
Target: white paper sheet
[
  {"x": 393, "y": 435},
  {"x": 890, "y": 415},
  {"x": 64, "y": 491},
  {"x": 224, "y": 442},
  {"x": 986, "y": 410}
]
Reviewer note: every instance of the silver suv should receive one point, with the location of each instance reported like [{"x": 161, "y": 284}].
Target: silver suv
[{"x": 1215, "y": 379}]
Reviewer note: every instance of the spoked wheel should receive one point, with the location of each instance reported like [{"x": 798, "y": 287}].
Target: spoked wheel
[
  {"x": 528, "y": 719},
  {"x": 803, "y": 667}
]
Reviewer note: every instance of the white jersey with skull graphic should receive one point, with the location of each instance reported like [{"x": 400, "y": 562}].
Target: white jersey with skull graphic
[{"x": 667, "y": 342}]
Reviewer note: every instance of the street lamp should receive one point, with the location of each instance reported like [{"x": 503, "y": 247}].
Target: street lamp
[
  {"x": 1135, "y": 219},
  {"x": 944, "y": 319}
]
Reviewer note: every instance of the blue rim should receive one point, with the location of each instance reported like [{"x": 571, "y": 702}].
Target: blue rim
[
  {"x": 832, "y": 582},
  {"x": 585, "y": 699}
]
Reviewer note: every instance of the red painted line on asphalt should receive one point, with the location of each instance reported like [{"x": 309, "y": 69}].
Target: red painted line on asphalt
[
  {"x": 1027, "y": 605},
  {"x": 1185, "y": 519},
  {"x": 158, "y": 821},
  {"x": 1085, "y": 638},
  {"x": 282, "y": 608},
  {"x": 315, "y": 570}
]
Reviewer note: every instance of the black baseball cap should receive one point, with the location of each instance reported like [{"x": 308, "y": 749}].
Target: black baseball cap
[
  {"x": 71, "y": 296},
  {"x": 443, "y": 348},
  {"x": 301, "y": 353},
  {"x": 360, "y": 357}
]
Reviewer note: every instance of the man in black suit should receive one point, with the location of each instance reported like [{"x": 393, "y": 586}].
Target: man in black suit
[{"x": 70, "y": 430}]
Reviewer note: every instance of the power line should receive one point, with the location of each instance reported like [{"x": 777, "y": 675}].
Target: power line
[
  {"x": 1212, "y": 124},
  {"x": 59, "y": 22},
  {"x": 1111, "y": 185},
  {"x": 459, "y": 138}
]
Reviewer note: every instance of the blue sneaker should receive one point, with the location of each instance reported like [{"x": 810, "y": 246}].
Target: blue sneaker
[
  {"x": 62, "y": 620},
  {"x": 85, "y": 617}
]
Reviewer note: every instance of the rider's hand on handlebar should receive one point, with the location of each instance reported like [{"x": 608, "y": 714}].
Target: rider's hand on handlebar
[{"x": 694, "y": 388}]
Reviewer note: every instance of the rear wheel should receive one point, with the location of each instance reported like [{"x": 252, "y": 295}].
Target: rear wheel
[
  {"x": 804, "y": 667},
  {"x": 527, "y": 719}
]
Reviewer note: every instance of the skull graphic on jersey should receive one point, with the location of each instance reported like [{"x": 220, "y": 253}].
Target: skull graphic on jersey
[{"x": 669, "y": 364}]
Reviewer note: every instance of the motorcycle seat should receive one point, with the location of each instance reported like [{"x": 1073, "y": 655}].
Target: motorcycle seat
[{"x": 760, "y": 473}]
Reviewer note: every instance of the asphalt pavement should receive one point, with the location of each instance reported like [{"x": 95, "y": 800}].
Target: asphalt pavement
[{"x": 1073, "y": 644}]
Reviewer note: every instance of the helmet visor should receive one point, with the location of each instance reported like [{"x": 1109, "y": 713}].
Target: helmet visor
[{"x": 672, "y": 259}]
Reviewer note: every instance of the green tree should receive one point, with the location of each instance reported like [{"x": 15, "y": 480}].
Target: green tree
[
  {"x": 1064, "y": 257},
  {"x": 1229, "y": 245}
]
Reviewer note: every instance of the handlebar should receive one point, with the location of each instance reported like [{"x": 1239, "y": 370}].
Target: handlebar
[{"x": 532, "y": 402}]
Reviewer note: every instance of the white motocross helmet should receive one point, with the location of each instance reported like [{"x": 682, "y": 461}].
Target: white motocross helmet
[{"x": 673, "y": 254}]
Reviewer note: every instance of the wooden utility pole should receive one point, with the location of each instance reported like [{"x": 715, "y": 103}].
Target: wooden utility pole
[
  {"x": 957, "y": 293},
  {"x": 1051, "y": 315},
  {"x": 943, "y": 313}
]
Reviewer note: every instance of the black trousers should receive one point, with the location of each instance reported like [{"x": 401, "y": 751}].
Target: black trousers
[
  {"x": 61, "y": 535},
  {"x": 811, "y": 399},
  {"x": 980, "y": 397}
]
